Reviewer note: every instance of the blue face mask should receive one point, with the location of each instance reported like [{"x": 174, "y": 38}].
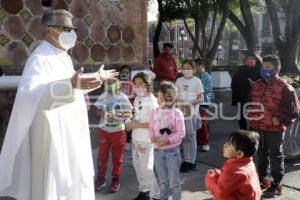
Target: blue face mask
[{"x": 267, "y": 73}]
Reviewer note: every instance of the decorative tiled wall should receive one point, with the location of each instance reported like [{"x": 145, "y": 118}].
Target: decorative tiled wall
[{"x": 110, "y": 31}]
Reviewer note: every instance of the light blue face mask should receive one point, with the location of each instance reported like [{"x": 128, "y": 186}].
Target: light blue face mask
[
  {"x": 267, "y": 73},
  {"x": 112, "y": 88}
]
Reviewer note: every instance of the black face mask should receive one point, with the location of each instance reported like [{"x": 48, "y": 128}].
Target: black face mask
[{"x": 163, "y": 130}]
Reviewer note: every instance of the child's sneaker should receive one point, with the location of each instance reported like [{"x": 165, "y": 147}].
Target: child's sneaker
[
  {"x": 100, "y": 183},
  {"x": 274, "y": 190},
  {"x": 143, "y": 196},
  {"x": 205, "y": 148},
  {"x": 115, "y": 185}
]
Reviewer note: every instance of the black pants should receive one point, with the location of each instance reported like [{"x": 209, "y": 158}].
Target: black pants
[
  {"x": 243, "y": 123},
  {"x": 270, "y": 151}
]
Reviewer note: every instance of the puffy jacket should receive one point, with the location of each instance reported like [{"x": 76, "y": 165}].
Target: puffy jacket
[
  {"x": 165, "y": 68},
  {"x": 278, "y": 99},
  {"x": 238, "y": 180}
]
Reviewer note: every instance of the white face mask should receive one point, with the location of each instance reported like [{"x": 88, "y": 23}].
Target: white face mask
[
  {"x": 187, "y": 73},
  {"x": 67, "y": 39}
]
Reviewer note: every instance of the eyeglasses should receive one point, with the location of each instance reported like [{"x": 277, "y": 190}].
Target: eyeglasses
[{"x": 66, "y": 28}]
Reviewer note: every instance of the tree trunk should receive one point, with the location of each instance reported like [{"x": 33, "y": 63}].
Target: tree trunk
[
  {"x": 247, "y": 27},
  {"x": 158, "y": 29},
  {"x": 287, "y": 56},
  {"x": 286, "y": 47},
  {"x": 210, "y": 56},
  {"x": 156, "y": 51}
]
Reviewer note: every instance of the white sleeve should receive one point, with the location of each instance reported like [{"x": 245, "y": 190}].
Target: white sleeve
[
  {"x": 199, "y": 86},
  {"x": 56, "y": 94}
]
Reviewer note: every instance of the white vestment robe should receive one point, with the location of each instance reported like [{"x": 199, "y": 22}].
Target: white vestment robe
[{"x": 46, "y": 154}]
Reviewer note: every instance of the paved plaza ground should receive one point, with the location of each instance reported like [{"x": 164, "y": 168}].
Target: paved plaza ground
[{"x": 193, "y": 183}]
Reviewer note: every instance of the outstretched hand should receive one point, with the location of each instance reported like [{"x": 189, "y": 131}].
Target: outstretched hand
[
  {"x": 79, "y": 82},
  {"x": 107, "y": 74}
]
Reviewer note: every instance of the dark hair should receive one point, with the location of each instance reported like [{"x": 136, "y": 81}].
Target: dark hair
[
  {"x": 272, "y": 59},
  {"x": 124, "y": 67},
  {"x": 146, "y": 79},
  {"x": 167, "y": 44},
  {"x": 199, "y": 61},
  {"x": 169, "y": 91},
  {"x": 49, "y": 18},
  {"x": 258, "y": 61},
  {"x": 187, "y": 61},
  {"x": 245, "y": 141}
]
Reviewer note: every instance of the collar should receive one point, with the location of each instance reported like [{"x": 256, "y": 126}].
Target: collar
[
  {"x": 244, "y": 160},
  {"x": 55, "y": 49}
]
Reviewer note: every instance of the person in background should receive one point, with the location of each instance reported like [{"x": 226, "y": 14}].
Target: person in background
[
  {"x": 275, "y": 106},
  {"x": 241, "y": 85},
  {"x": 113, "y": 108},
  {"x": 190, "y": 92},
  {"x": 165, "y": 67},
  {"x": 150, "y": 64},
  {"x": 126, "y": 87},
  {"x": 142, "y": 148},
  {"x": 202, "y": 133},
  {"x": 238, "y": 178}
]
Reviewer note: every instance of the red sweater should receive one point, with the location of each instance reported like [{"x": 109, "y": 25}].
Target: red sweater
[
  {"x": 165, "y": 68},
  {"x": 237, "y": 180}
]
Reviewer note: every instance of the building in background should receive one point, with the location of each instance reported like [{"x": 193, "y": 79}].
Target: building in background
[{"x": 231, "y": 47}]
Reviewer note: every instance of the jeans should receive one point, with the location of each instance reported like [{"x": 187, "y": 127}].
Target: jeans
[{"x": 167, "y": 165}]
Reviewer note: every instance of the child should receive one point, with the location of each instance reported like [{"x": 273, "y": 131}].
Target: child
[
  {"x": 114, "y": 107},
  {"x": 166, "y": 130},
  {"x": 126, "y": 87},
  {"x": 190, "y": 95},
  {"x": 238, "y": 178},
  {"x": 142, "y": 148},
  {"x": 202, "y": 133}
]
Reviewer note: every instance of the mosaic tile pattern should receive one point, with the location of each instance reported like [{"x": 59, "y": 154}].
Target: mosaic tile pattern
[
  {"x": 109, "y": 31},
  {"x": 2, "y": 15},
  {"x": 88, "y": 20},
  {"x": 12, "y": 7},
  {"x": 25, "y": 14},
  {"x": 28, "y": 40},
  {"x": 3, "y": 40},
  {"x": 89, "y": 42}
]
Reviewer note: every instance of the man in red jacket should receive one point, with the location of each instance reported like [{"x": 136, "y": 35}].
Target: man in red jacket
[
  {"x": 238, "y": 179},
  {"x": 165, "y": 66},
  {"x": 274, "y": 106}
]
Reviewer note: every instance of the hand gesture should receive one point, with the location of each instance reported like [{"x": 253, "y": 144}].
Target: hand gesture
[
  {"x": 79, "y": 82},
  {"x": 162, "y": 142},
  {"x": 107, "y": 74}
]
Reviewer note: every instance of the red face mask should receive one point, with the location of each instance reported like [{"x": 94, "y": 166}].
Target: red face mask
[
  {"x": 167, "y": 53},
  {"x": 250, "y": 62}
]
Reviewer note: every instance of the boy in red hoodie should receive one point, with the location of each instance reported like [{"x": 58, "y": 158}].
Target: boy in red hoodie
[{"x": 238, "y": 178}]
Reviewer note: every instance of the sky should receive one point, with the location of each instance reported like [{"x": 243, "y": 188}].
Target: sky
[{"x": 152, "y": 11}]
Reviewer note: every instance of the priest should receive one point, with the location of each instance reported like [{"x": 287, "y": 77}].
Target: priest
[{"x": 46, "y": 153}]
